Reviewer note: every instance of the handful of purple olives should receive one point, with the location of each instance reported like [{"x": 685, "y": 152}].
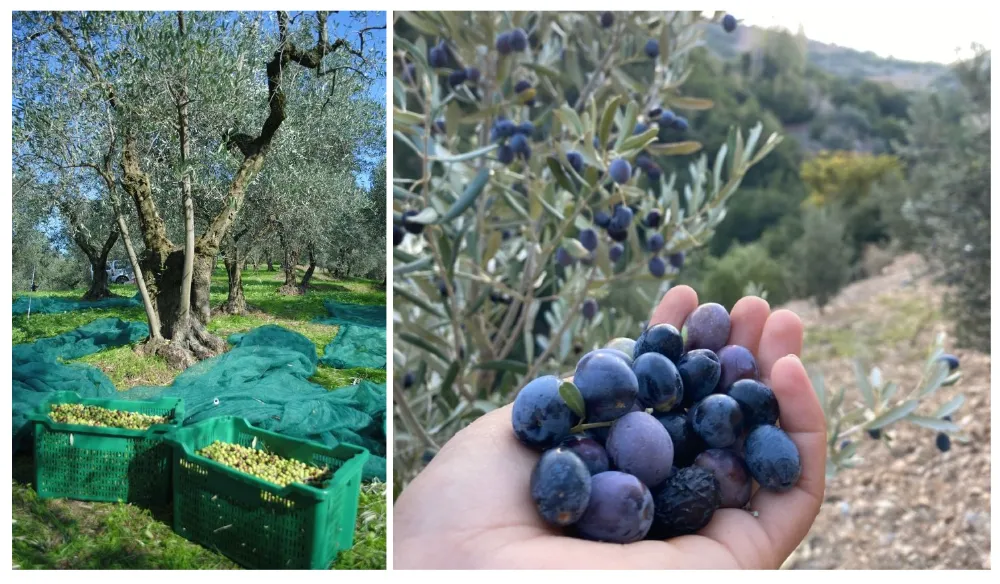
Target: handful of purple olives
[{"x": 653, "y": 435}]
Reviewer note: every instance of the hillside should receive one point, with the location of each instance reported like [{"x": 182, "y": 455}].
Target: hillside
[
  {"x": 907, "y": 506},
  {"x": 836, "y": 60}
]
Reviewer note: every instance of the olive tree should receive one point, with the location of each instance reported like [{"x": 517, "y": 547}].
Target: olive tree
[
  {"x": 52, "y": 146},
  {"x": 946, "y": 211},
  {"x": 191, "y": 105},
  {"x": 490, "y": 275},
  {"x": 308, "y": 199}
]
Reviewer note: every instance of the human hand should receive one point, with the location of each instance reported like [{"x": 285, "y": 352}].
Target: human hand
[{"x": 471, "y": 507}]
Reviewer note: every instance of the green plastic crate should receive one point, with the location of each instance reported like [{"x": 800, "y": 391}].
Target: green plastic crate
[
  {"x": 104, "y": 464},
  {"x": 259, "y": 524}
]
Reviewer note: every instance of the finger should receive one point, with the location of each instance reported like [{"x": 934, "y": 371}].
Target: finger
[
  {"x": 798, "y": 404},
  {"x": 787, "y": 517},
  {"x": 677, "y": 304},
  {"x": 782, "y": 336},
  {"x": 741, "y": 534},
  {"x": 748, "y": 318}
]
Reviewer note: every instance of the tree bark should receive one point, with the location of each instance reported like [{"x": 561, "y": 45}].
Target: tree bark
[
  {"x": 147, "y": 300},
  {"x": 99, "y": 282},
  {"x": 288, "y": 262},
  {"x": 309, "y": 271},
  {"x": 98, "y": 257},
  {"x": 270, "y": 263},
  {"x": 236, "y": 303},
  {"x": 288, "y": 265}
]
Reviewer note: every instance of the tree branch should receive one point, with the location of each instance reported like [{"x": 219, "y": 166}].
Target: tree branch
[
  {"x": 86, "y": 60},
  {"x": 135, "y": 180},
  {"x": 110, "y": 242},
  {"x": 255, "y": 150}
]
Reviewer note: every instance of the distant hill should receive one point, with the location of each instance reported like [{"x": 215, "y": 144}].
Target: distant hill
[{"x": 836, "y": 60}]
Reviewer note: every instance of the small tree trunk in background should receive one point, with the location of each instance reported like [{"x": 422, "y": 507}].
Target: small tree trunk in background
[
  {"x": 237, "y": 302},
  {"x": 99, "y": 283},
  {"x": 309, "y": 271},
  {"x": 270, "y": 263},
  {"x": 288, "y": 265},
  {"x": 98, "y": 262}
]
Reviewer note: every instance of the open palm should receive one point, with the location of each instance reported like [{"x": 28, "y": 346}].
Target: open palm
[{"x": 471, "y": 507}]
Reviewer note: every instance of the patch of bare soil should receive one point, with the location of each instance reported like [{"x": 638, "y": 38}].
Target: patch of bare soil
[{"x": 908, "y": 505}]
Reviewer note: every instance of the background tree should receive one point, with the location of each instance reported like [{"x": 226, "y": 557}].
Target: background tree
[
  {"x": 947, "y": 209},
  {"x": 821, "y": 259},
  {"x": 847, "y": 179}
]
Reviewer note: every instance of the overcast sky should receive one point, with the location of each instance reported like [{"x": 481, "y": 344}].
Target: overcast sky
[{"x": 903, "y": 30}]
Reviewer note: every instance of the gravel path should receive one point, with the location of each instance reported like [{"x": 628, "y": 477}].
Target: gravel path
[{"x": 907, "y": 506}]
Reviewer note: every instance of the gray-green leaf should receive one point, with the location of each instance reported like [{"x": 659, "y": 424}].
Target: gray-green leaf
[
  {"x": 933, "y": 423},
  {"x": 864, "y": 386},
  {"x": 894, "y": 415},
  {"x": 467, "y": 155},
  {"x": 575, "y": 248},
  {"x": 573, "y": 398},
  {"x": 468, "y": 197},
  {"x": 950, "y": 407}
]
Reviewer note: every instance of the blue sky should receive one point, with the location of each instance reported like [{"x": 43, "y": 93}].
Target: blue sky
[{"x": 378, "y": 88}]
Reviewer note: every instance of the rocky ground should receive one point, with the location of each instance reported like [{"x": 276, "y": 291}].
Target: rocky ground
[{"x": 907, "y": 505}]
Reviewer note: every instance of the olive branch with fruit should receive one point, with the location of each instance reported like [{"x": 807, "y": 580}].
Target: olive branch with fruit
[{"x": 535, "y": 220}]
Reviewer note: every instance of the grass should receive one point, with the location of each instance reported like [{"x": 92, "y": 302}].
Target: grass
[
  {"x": 128, "y": 369},
  {"x": 227, "y": 324},
  {"x": 368, "y": 552},
  {"x": 63, "y": 534},
  {"x": 259, "y": 288},
  {"x": 899, "y": 320},
  {"x": 37, "y": 326},
  {"x": 332, "y": 378}
]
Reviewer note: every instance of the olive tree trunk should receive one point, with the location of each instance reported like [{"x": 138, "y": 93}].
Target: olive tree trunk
[
  {"x": 304, "y": 285},
  {"x": 236, "y": 303},
  {"x": 98, "y": 259}
]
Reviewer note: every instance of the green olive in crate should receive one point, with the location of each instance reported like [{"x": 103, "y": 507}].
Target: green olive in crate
[
  {"x": 82, "y": 415},
  {"x": 264, "y": 465}
]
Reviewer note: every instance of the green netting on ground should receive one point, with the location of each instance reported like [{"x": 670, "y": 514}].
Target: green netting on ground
[
  {"x": 50, "y": 305},
  {"x": 360, "y": 342},
  {"x": 38, "y": 369},
  {"x": 362, "y": 314},
  {"x": 356, "y": 346},
  {"x": 264, "y": 378}
]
